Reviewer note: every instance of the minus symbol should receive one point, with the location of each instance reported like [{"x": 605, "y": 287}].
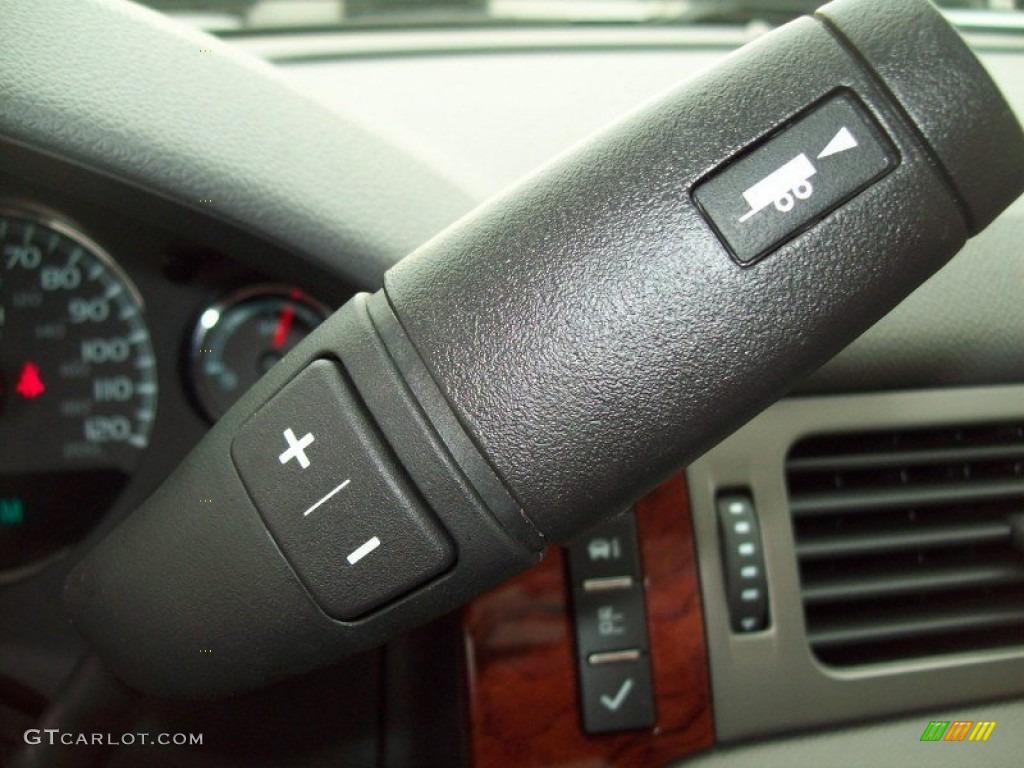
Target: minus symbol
[{"x": 363, "y": 551}]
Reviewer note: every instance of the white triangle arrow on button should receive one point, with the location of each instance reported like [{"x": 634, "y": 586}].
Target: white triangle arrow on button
[{"x": 841, "y": 142}]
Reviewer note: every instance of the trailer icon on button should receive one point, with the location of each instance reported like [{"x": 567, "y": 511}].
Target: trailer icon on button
[
  {"x": 780, "y": 187},
  {"x": 793, "y": 179}
]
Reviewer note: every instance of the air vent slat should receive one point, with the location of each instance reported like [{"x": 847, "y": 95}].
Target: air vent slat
[
  {"x": 839, "y": 502},
  {"x": 888, "y": 630},
  {"x": 906, "y": 541},
  {"x": 848, "y": 544},
  {"x": 844, "y": 462},
  {"x": 914, "y": 582}
]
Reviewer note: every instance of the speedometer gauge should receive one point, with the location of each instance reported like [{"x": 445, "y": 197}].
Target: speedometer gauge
[{"x": 77, "y": 383}]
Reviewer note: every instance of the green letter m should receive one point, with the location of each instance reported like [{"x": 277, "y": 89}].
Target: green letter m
[{"x": 935, "y": 730}]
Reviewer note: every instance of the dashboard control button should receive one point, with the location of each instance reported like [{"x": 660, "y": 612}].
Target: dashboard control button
[
  {"x": 610, "y": 621},
  {"x": 336, "y": 503},
  {"x": 618, "y": 696},
  {"x": 606, "y": 552},
  {"x": 780, "y": 188},
  {"x": 611, "y": 627}
]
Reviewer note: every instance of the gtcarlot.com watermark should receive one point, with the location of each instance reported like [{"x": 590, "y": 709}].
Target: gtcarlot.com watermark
[{"x": 55, "y": 736}]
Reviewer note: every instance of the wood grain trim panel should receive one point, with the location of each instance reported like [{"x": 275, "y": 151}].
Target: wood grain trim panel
[{"x": 523, "y": 696}]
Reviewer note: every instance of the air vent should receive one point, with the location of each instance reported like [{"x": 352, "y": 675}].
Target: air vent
[{"x": 910, "y": 543}]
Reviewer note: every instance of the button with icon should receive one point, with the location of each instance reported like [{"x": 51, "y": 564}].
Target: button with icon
[
  {"x": 606, "y": 574},
  {"x": 606, "y": 552},
  {"x": 338, "y": 505},
  {"x": 617, "y": 697},
  {"x": 610, "y": 621},
  {"x": 774, "y": 191}
]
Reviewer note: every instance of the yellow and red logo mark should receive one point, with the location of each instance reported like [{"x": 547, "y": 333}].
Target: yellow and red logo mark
[{"x": 958, "y": 730}]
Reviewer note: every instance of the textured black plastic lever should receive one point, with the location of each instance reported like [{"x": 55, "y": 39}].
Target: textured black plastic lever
[{"x": 561, "y": 350}]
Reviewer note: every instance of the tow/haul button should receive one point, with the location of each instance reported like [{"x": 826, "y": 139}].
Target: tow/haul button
[
  {"x": 339, "y": 507},
  {"x": 780, "y": 188}
]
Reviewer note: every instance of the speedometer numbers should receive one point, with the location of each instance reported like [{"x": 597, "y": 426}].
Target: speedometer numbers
[{"x": 78, "y": 385}]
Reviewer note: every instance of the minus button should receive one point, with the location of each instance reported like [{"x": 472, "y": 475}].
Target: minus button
[{"x": 363, "y": 550}]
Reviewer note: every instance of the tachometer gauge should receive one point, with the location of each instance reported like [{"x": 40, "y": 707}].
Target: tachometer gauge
[
  {"x": 238, "y": 340},
  {"x": 78, "y": 383}
]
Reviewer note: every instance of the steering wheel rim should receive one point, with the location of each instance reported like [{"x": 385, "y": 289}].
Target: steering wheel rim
[{"x": 127, "y": 92}]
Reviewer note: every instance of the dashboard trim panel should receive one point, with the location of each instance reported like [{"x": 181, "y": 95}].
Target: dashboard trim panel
[{"x": 769, "y": 682}]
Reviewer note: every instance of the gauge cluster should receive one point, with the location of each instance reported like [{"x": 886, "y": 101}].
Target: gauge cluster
[
  {"x": 77, "y": 381},
  {"x": 240, "y": 338},
  {"x": 82, "y": 377}
]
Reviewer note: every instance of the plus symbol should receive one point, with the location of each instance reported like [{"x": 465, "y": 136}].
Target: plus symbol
[{"x": 296, "y": 448}]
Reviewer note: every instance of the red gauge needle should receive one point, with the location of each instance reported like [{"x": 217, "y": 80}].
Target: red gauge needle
[{"x": 284, "y": 324}]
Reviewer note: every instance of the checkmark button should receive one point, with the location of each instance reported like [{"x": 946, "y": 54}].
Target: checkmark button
[
  {"x": 617, "y": 696},
  {"x": 614, "y": 702}
]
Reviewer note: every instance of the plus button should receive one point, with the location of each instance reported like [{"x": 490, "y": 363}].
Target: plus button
[{"x": 296, "y": 448}]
